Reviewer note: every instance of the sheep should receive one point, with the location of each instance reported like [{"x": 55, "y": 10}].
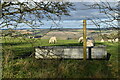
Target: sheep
[
  {"x": 80, "y": 40},
  {"x": 109, "y": 40},
  {"x": 116, "y": 40},
  {"x": 102, "y": 40},
  {"x": 90, "y": 41},
  {"x": 53, "y": 40},
  {"x": 113, "y": 40}
]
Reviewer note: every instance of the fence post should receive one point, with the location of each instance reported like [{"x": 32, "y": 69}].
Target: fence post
[{"x": 84, "y": 41}]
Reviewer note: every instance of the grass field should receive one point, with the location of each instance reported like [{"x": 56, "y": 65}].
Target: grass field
[{"x": 17, "y": 62}]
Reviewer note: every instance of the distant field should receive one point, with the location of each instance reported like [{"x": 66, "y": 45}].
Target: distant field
[
  {"x": 17, "y": 62},
  {"x": 62, "y": 34}
]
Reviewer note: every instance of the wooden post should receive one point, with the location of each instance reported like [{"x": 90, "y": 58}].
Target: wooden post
[{"x": 84, "y": 41}]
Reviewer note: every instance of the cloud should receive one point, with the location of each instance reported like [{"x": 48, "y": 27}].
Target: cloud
[{"x": 82, "y": 12}]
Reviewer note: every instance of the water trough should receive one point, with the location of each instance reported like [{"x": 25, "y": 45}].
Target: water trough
[{"x": 70, "y": 52}]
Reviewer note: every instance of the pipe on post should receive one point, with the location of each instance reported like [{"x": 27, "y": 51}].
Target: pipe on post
[{"x": 89, "y": 53}]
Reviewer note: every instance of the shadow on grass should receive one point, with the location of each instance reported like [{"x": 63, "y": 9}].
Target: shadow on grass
[
  {"x": 77, "y": 44},
  {"x": 23, "y": 52},
  {"x": 73, "y": 68},
  {"x": 20, "y": 52},
  {"x": 59, "y": 69},
  {"x": 99, "y": 43},
  {"x": 70, "y": 44},
  {"x": 14, "y": 43}
]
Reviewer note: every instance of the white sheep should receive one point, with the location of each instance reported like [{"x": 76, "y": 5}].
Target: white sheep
[
  {"x": 113, "y": 40},
  {"x": 90, "y": 41},
  {"x": 116, "y": 40},
  {"x": 109, "y": 40},
  {"x": 80, "y": 40},
  {"x": 52, "y": 40},
  {"x": 102, "y": 40}
]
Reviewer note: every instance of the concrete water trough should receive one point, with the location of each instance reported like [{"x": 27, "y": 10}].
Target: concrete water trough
[{"x": 70, "y": 52}]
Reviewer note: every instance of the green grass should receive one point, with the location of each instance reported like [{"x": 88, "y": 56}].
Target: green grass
[{"x": 18, "y": 64}]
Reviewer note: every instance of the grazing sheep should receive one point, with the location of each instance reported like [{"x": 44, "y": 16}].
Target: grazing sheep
[
  {"x": 109, "y": 40},
  {"x": 30, "y": 37},
  {"x": 80, "y": 40},
  {"x": 90, "y": 42},
  {"x": 53, "y": 40},
  {"x": 116, "y": 40},
  {"x": 113, "y": 40},
  {"x": 102, "y": 40}
]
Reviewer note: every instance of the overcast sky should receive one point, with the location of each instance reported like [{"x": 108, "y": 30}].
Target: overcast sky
[{"x": 82, "y": 12}]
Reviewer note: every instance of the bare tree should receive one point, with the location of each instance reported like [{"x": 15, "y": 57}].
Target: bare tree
[
  {"x": 31, "y": 13},
  {"x": 112, "y": 14}
]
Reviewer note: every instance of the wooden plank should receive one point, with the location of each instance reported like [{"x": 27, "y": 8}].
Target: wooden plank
[{"x": 84, "y": 41}]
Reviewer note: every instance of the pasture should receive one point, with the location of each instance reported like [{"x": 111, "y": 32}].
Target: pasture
[{"x": 19, "y": 61}]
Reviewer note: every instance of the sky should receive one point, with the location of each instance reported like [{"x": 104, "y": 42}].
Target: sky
[
  {"x": 82, "y": 12},
  {"x": 77, "y": 16},
  {"x": 75, "y": 20}
]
